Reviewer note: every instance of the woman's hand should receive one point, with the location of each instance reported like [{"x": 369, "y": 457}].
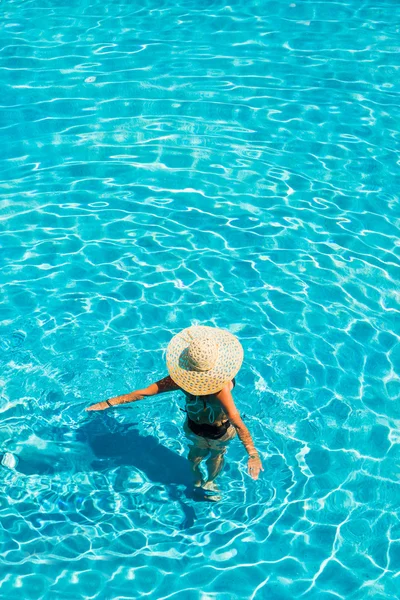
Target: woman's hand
[
  {"x": 98, "y": 406},
  {"x": 254, "y": 466},
  {"x": 125, "y": 398}
]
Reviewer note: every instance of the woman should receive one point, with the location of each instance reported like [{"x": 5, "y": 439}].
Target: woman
[{"x": 202, "y": 362}]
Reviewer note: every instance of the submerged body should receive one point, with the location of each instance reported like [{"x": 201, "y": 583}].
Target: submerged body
[{"x": 209, "y": 431}]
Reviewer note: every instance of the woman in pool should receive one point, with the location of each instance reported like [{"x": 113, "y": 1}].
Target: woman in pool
[{"x": 202, "y": 362}]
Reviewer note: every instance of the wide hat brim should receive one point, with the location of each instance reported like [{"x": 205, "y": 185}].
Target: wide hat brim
[{"x": 202, "y": 383}]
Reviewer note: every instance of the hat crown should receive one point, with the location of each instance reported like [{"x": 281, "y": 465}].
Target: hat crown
[{"x": 202, "y": 354}]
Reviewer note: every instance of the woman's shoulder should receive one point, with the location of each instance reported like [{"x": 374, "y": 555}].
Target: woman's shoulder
[{"x": 167, "y": 384}]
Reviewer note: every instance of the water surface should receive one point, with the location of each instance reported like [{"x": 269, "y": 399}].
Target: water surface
[{"x": 235, "y": 165}]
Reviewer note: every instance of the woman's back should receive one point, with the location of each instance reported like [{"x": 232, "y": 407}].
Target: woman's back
[{"x": 205, "y": 409}]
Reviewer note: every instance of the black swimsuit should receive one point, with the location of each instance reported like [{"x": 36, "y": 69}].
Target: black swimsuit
[{"x": 212, "y": 432}]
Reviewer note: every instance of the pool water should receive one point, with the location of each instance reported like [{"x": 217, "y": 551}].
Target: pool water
[{"x": 172, "y": 163}]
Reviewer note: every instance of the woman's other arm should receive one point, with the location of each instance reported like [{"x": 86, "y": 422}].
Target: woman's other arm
[{"x": 254, "y": 463}]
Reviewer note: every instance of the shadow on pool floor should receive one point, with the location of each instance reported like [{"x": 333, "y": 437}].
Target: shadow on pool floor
[{"x": 113, "y": 445}]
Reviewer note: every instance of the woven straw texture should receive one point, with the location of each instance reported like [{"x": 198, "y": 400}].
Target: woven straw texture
[{"x": 201, "y": 359}]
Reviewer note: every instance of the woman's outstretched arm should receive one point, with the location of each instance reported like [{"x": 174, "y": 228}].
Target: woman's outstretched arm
[{"x": 159, "y": 387}]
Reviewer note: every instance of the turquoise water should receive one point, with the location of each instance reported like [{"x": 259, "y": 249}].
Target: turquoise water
[{"x": 235, "y": 165}]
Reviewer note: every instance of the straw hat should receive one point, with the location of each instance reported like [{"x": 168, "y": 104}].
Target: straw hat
[{"x": 201, "y": 360}]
